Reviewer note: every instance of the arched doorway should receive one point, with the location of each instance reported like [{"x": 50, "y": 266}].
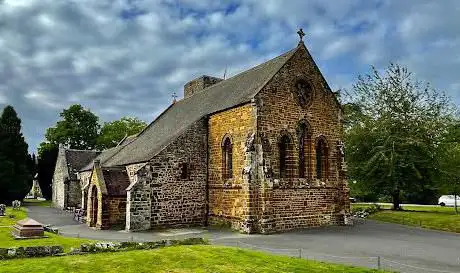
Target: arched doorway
[{"x": 94, "y": 206}]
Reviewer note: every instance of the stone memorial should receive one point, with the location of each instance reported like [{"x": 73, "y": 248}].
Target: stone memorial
[
  {"x": 28, "y": 229},
  {"x": 16, "y": 204},
  {"x": 2, "y": 209}
]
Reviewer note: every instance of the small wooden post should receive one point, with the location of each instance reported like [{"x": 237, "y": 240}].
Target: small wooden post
[{"x": 378, "y": 263}]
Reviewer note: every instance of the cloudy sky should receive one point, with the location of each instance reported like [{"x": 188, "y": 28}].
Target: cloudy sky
[{"x": 126, "y": 57}]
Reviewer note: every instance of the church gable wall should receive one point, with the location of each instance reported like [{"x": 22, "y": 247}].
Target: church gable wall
[
  {"x": 229, "y": 197},
  {"x": 179, "y": 199},
  {"x": 61, "y": 173},
  {"x": 288, "y": 201},
  {"x": 176, "y": 182}
]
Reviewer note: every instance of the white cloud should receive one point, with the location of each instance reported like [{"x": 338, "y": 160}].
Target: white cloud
[
  {"x": 2, "y": 98},
  {"x": 127, "y": 57}
]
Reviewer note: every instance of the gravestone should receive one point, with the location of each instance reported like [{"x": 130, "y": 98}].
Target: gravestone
[
  {"x": 28, "y": 229},
  {"x": 2, "y": 209},
  {"x": 16, "y": 204}
]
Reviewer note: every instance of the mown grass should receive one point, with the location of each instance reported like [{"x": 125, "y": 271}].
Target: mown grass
[
  {"x": 447, "y": 210},
  {"x": 177, "y": 259},
  {"x": 432, "y": 220},
  {"x": 432, "y": 217},
  {"x": 7, "y": 240},
  {"x": 12, "y": 216},
  {"x": 36, "y": 202}
]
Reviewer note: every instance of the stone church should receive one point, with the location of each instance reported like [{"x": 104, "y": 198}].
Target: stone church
[{"x": 260, "y": 152}]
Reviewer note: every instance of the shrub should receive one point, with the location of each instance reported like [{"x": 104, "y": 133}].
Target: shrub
[{"x": 363, "y": 212}]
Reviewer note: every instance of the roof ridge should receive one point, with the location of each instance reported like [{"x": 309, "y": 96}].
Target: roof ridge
[{"x": 81, "y": 150}]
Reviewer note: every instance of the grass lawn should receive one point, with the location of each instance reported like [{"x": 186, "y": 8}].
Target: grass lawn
[
  {"x": 12, "y": 216},
  {"x": 432, "y": 217},
  {"x": 432, "y": 220},
  {"x": 176, "y": 259},
  {"x": 7, "y": 240},
  {"x": 36, "y": 202}
]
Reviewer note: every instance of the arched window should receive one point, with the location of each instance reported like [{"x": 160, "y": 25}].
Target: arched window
[
  {"x": 227, "y": 167},
  {"x": 322, "y": 159},
  {"x": 286, "y": 160},
  {"x": 304, "y": 136}
]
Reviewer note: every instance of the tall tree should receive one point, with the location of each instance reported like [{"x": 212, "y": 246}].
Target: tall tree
[
  {"x": 46, "y": 164},
  {"x": 15, "y": 176},
  {"x": 78, "y": 129},
  {"x": 392, "y": 144},
  {"x": 113, "y": 132}
]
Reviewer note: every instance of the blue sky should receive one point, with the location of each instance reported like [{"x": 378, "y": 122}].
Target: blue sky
[{"x": 126, "y": 57}]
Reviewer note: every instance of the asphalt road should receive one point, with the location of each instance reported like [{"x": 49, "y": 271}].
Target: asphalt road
[{"x": 400, "y": 248}]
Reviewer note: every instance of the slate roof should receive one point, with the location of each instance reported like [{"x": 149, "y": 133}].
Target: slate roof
[
  {"x": 116, "y": 181},
  {"x": 234, "y": 91},
  {"x": 77, "y": 159},
  {"x": 103, "y": 157}
]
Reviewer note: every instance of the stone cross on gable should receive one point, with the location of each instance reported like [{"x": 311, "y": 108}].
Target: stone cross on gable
[
  {"x": 301, "y": 34},
  {"x": 174, "y": 96}
]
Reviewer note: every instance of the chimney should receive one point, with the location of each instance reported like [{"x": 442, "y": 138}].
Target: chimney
[{"x": 198, "y": 84}]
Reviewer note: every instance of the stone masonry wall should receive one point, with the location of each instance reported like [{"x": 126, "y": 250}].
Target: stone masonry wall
[
  {"x": 199, "y": 84},
  {"x": 139, "y": 202},
  {"x": 287, "y": 203},
  {"x": 74, "y": 194},
  {"x": 159, "y": 189},
  {"x": 177, "y": 201},
  {"x": 132, "y": 169},
  {"x": 229, "y": 199},
  {"x": 60, "y": 174},
  {"x": 300, "y": 208},
  {"x": 117, "y": 211}
]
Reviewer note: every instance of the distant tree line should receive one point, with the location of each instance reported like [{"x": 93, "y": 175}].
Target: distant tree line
[
  {"x": 79, "y": 128},
  {"x": 402, "y": 139}
]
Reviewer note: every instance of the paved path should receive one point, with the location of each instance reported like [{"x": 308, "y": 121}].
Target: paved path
[{"x": 418, "y": 249}]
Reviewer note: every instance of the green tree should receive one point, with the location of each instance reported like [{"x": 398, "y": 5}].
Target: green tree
[
  {"x": 113, "y": 132},
  {"x": 78, "y": 129},
  {"x": 46, "y": 164},
  {"x": 449, "y": 156},
  {"x": 392, "y": 143},
  {"x": 15, "y": 176}
]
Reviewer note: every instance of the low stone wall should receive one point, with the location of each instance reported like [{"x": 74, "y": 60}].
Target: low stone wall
[
  {"x": 126, "y": 246},
  {"x": 30, "y": 252},
  {"x": 46, "y": 251}
]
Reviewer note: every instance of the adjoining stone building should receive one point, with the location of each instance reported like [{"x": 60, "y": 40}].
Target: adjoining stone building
[
  {"x": 66, "y": 186},
  {"x": 261, "y": 152},
  {"x": 107, "y": 197}
]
